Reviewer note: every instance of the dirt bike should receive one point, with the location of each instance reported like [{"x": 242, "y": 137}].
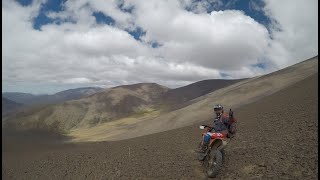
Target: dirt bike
[{"x": 213, "y": 155}]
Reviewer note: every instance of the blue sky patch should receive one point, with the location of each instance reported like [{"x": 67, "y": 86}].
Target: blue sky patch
[
  {"x": 50, "y": 5},
  {"x": 224, "y": 75},
  {"x": 252, "y": 8},
  {"x": 155, "y": 45},
  {"x": 125, "y": 9},
  {"x": 260, "y": 65},
  {"x": 101, "y": 18},
  {"x": 24, "y": 2},
  {"x": 41, "y": 20},
  {"x": 137, "y": 33}
]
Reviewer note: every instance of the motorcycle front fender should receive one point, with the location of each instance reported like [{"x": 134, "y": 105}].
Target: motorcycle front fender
[
  {"x": 218, "y": 144},
  {"x": 223, "y": 145}
]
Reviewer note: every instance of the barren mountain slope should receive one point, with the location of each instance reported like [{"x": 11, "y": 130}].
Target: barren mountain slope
[
  {"x": 133, "y": 103},
  {"x": 232, "y": 96},
  {"x": 70, "y": 94},
  {"x": 180, "y": 97},
  {"x": 100, "y": 107},
  {"x": 9, "y": 106},
  {"x": 276, "y": 139}
]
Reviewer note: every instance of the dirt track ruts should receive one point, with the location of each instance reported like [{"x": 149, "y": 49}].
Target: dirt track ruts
[{"x": 277, "y": 139}]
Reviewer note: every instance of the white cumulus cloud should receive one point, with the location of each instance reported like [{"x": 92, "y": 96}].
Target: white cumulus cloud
[{"x": 193, "y": 44}]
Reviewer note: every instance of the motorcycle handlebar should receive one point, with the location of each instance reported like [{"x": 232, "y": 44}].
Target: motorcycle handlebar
[{"x": 206, "y": 126}]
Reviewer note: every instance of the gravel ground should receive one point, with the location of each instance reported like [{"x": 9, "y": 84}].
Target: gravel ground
[{"x": 277, "y": 139}]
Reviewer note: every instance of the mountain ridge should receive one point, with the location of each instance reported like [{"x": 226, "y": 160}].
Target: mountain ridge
[
  {"x": 9, "y": 106},
  {"x": 108, "y": 114},
  {"x": 32, "y": 99}
]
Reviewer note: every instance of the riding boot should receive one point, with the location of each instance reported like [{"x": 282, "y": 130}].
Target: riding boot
[{"x": 204, "y": 147}]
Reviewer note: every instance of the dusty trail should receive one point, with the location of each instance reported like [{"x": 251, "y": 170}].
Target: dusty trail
[{"x": 277, "y": 139}]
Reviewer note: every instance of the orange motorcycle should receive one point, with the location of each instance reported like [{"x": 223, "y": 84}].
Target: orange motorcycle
[{"x": 212, "y": 154}]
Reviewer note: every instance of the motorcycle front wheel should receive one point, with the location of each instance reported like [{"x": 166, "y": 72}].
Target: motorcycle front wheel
[{"x": 214, "y": 163}]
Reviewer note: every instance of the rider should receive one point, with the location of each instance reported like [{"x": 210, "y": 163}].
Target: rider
[{"x": 222, "y": 123}]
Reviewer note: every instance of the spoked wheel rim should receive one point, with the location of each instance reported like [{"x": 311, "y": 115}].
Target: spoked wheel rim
[
  {"x": 207, "y": 160},
  {"x": 211, "y": 162},
  {"x": 214, "y": 163}
]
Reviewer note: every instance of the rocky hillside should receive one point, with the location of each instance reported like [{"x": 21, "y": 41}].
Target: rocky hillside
[
  {"x": 277, "y": 138},
  {"x": 199, "y": 109},
  {"x": 9, "y": 106},
  {"x": 31, "y": 99},
  {"x": 141, "y": 108},
  {"x": 180, "y": 97},
  {"x": 137, "y": 101},
  {"x": 104, "y": 106}
]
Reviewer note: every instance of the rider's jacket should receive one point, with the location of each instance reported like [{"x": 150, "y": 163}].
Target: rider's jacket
[{"x": 221, "y": 124}]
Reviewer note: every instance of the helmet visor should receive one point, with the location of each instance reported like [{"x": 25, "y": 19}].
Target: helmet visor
[{"x": 217, "y": 109}]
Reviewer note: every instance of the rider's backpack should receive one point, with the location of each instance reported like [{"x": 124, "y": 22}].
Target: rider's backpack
[{"x": 232, "y": 127}]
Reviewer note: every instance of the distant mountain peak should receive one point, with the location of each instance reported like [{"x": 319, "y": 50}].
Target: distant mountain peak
[{"x": 70, "y": 94}]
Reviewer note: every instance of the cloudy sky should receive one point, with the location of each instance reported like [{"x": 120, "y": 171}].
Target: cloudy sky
[{"x": 51, "y": 45}]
